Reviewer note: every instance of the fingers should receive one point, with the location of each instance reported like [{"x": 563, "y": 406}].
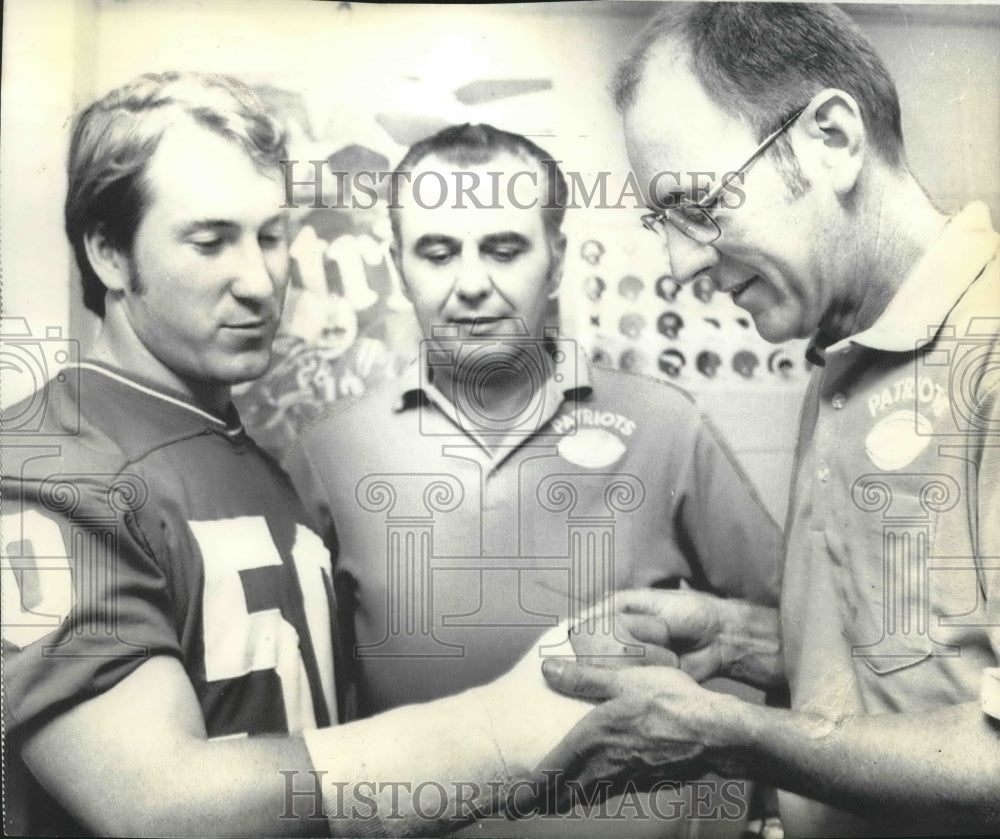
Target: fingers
[
  {"x": 700, "y": 664},
  {"x": 625, "y": 625},
  {"x": 585, "y": 681},
  {"x": 692, "y": 618},
  {"x": 568, "y": 765},
  {"x": 645, "y": 628},
  {"x": 622, "y": 640},
  {"x": 649, "y": 601},
  {"x": 682, "y": 614}
]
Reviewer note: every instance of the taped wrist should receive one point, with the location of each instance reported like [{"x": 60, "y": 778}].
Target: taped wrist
[
  {"x": 432, "y": 768},
  {"x": 415, "y": 770}
]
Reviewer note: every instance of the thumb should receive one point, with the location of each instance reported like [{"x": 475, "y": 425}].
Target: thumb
[
  {"x": 642, "y": 601},
  {"x": 581, "y": 680}
]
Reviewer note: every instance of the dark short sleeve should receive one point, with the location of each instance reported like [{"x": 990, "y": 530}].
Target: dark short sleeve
[{"x": 84, "y": 601}]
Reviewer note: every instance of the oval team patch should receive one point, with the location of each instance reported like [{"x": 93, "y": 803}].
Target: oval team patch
[
  {"x": 897, "y": 440},
  {"x": 591, "y": 448}
]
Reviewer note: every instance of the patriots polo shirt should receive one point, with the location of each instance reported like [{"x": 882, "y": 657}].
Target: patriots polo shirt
[
  {"x": 891, "y": 591},
  {"x": 456, "y": 552}
]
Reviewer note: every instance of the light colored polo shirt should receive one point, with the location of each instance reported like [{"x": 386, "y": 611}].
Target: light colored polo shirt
[
  {"x": 454, "y": 556},
  {"x": 891, "y": 592}
]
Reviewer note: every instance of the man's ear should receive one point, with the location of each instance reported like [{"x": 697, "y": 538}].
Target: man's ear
[
  {"x": 557, "y": 252},
  {"x": 831, "y": 140},
  {"x": 109, "y": 263}
]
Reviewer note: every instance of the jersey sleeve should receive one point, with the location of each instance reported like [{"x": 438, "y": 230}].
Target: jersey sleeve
[
  {"x": 736, "y": 545},
  {"x": 315, "y": 497},
  {"x": 312, "y": 491},
  {"x": 84, "y": 601}
]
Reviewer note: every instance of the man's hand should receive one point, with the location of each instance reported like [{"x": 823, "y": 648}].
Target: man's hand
[
  {"x": 657, "y": 723},
  {"x": 607, "y": 637},
  {"x": 710, "y": 636}
]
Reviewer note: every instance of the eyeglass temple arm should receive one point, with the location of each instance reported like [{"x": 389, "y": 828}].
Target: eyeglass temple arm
[{"x": 763, "y": 147}]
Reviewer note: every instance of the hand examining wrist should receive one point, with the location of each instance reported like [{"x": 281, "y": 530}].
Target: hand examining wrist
[
  {"x": 705, "y": 635},
  {"x": 749, "y": 643}
]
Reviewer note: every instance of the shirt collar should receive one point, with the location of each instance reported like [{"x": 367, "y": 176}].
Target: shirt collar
[
  {"x": 570, "y": 379},
  {"x": 923, "y": 302},
  {"x": 167, "y": 404}
]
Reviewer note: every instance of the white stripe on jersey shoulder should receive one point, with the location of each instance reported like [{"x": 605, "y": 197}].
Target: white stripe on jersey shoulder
[{"x": 180, "y": 403}]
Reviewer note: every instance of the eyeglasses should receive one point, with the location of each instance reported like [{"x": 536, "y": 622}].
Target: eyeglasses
[{"x": 694, "y": 218}]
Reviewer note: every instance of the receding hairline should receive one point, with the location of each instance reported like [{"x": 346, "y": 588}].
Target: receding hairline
[
  {"x": 664, "y": 53},
  {"x": 178, "y": 119},
  {"x": 438, "y": 159},
  {"x": 799, "y": 49},
  {"x": 633, "y": 70},
  {"x": 669, "y": 53}
]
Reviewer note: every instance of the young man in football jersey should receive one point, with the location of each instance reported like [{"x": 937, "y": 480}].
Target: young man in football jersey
[{"x": 165, "y": 601}]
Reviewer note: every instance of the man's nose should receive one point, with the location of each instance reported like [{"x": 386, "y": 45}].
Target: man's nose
[
  {"x": 473, "y": 283},
  {"x": 254, "y": 277},
  {"x": 688, "y": 258}
]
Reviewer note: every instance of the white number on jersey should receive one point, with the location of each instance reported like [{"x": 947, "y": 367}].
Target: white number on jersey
[
  {"x": 238, "y": 641},
  {"x": 37, "y": 581}
]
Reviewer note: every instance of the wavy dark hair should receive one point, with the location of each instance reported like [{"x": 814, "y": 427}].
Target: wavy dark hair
[{"x": 114, "y": 138}]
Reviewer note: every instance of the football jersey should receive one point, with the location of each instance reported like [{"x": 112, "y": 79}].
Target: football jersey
[{"x": 135, "y": 524}]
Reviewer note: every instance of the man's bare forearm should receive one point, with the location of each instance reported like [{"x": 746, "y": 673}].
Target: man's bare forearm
[
  {"x": 941, "y": 767},
  {"x": 135, "y": 761},
  {"x": 471, "y": 746}
]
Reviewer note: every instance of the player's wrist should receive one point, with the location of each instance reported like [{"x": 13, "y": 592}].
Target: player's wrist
[
  {"x": 528, "y": 717},
  {"x": 445, "y": 764}
]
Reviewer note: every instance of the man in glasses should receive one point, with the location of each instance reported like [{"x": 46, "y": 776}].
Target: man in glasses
[{"x": 888, "y": 633}]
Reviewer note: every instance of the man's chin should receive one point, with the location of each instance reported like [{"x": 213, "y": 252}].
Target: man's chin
[
  {"x": 248, "y": 368},
  {"x": 773, "y": 331}
]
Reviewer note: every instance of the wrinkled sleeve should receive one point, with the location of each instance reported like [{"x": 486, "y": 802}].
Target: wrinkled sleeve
[
  {"x": 315, "y": 497},
  {"x": 84, "y": 601},
  {"x": 736, "y": 546}
]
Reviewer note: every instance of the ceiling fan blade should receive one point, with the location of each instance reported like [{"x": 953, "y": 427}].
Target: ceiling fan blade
[{"x": 482, "y": 91}]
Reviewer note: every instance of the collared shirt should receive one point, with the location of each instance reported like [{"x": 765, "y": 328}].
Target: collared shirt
[
  {"x": 891, "y": 591},
  {"x": 569, "y": 379},
  {"x": 454, "y": 557}
]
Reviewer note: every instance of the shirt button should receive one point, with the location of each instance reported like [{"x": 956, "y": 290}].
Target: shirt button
[
  {"x": 838, "y": 401},
  {"x": 823, "y": 472}
]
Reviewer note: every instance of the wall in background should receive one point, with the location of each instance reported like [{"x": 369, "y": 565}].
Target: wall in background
[{"x": 376, "y": 77}]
